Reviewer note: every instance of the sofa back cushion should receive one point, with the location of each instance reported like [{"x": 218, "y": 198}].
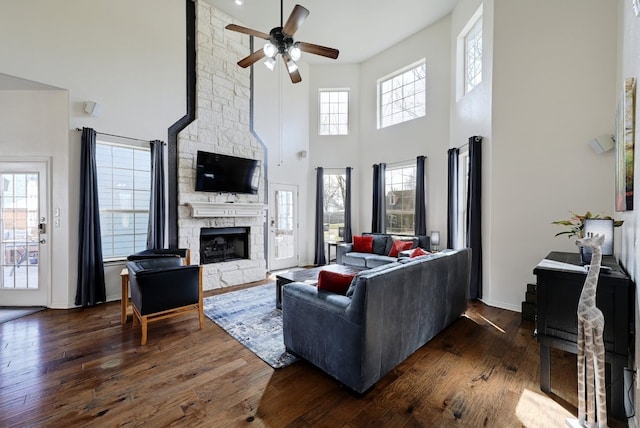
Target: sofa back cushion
[
  {"x": 334, "y": 282},
  {"x": 380, "y": 244},
  {"x": 363, "y": 244}
]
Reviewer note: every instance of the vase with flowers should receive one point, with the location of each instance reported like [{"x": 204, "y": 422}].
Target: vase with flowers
[{"x": 575, "y": 228}]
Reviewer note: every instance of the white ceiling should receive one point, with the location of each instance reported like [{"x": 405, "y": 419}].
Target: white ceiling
[{"x": 360, "y": 29}]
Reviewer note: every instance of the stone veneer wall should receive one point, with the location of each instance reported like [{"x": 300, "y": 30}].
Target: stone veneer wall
[{"x": 221, "y": 126}]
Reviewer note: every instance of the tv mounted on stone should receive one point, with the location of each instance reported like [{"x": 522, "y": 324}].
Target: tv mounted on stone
[{"x": 220, "y": 173}]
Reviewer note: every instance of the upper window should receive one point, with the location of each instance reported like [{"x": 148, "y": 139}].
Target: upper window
[
  {"x": 473, "y": 56},
  {"x": 400, "y": 195},
  {"x": 124, "y": 182},
  {"x": 334, "y": 187},
  {"x": 334, "y": 112},
  {"x": 402, "y": 95}
]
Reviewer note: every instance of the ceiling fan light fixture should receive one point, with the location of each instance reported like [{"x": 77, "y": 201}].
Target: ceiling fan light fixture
[
  {"x": 295, "y": 52},
  {"x": 270, "y": 63},
  {"x": 270, "y": 50},
  {"x": 291, "y": 66}
]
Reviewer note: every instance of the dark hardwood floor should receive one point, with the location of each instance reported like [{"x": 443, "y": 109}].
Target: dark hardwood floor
[{"x": 81, "y": 367}]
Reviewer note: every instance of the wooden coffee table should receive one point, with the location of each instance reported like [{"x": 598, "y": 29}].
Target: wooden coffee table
[{"x": 309, "y": 276}]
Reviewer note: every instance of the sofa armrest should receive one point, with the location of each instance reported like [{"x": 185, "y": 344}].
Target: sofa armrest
[
  {"x": 315, "y": 328},
  {"x": 343, "y": 249}
]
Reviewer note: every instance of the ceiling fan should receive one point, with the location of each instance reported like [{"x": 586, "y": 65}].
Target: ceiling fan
[{"x": 280, "y": 41}]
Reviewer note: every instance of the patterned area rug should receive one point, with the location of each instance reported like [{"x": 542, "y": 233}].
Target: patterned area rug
[{"x": 251, "y": 317}]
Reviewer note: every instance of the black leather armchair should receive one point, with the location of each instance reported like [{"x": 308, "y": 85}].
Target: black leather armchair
[{"x": 163, "y": 288}]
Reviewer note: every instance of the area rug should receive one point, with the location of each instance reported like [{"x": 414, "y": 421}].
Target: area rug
[
  {"x": 251, "y": 317},
  {"x": 9, "y": 313}
]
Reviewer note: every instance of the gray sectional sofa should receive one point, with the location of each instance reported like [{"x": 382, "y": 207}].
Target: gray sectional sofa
[
  {"x": 388, "y": 313},
  {"x": 379, "y": 256}
]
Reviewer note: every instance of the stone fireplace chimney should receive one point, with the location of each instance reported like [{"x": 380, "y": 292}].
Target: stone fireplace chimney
[{"x": 221, "y": 126}]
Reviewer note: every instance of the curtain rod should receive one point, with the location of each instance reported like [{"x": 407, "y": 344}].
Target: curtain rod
[
  {"x": 400, "y": 162},
  {"x": 341, "y": 168},
  {"x": 119, "y": 136}
]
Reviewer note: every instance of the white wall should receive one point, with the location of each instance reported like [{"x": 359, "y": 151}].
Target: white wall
[
  {"x": 553, "y": 91},
  {"x": 627, "y": 245},
  {"x": 427, "y": 136},
  {"x": 33, "y": 124},
  {"x": 281, "y": 121},
  {"x": 127, "y": 56}
]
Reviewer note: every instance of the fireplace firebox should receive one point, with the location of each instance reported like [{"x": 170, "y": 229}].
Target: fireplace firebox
[{"x": 223, "y": 244}]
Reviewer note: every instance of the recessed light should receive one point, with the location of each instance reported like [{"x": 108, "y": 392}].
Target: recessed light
[{"x": 239, "y": 2}]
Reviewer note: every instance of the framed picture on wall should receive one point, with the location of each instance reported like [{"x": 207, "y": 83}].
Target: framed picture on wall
[{"x": 625, "y": 136}]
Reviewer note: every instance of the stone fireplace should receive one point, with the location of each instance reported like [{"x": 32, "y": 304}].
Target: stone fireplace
[{"x": 221, "y": 126}]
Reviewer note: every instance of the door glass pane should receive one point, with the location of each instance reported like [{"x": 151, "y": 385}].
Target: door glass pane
[
  {"x": 284, "y": 238},
  {"x": 19, "y": 217}
]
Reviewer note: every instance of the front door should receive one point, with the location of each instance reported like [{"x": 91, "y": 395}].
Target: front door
[
  {"x": 24, "y": 260},
  {"x": 283, "y": 226}
]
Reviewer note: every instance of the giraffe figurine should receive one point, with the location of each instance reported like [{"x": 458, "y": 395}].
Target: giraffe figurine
[{"x": 591, "y": 344}]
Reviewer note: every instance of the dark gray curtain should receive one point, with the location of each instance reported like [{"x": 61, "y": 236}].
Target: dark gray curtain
[
  {"x": 379, "y": 207},
  {"x": 452, "y": 197},
  {"x": 157, "y": 207},
  {"x": 421, "y": 203},
  {"x": 347, "y": 237},
  {"x": 90, "y": 287},
  {"x": 474, "y": 217},
  {"x": 319, "y": 257}
]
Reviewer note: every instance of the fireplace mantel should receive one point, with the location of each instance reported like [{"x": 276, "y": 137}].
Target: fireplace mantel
[{"x": 221, "y": 209}]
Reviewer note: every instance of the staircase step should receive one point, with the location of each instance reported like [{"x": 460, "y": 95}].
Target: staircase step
[
  {"x": 528, "y": 311},
  {"x": 531, "y": 297},
  {"x": 532, "y": 287}
]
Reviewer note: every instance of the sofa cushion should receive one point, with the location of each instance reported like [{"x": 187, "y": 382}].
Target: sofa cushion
[
  {"x": 380, "y": 244},
  {"x": 355, "y": 259},
  {"x": 375, "y": 260},
  {"x": 399, "y": 246},
  {"x": 380, "y": 268},
  {"x": 334, "y": 282},
  {"x": 363, "y": 244}
]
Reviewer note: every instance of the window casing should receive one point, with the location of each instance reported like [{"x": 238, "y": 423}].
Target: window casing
[
  {"x": 400, "y": 198},
  {"x": 124, "y": 183},
  {"x": 334, "y": 112},
  {"x": 334, "y": 187},
  {"x": 402, "y": 95},
  {"x": 473, "y": 56}
]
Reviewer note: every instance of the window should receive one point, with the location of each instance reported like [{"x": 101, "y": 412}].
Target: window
[
  {"x": 463, "y": 191},
  {"x": 400, "y": 195},
  {"x": 402, "y": 95},
  {"x": 334, "y": 186},
  {"x": 334, "y": 112},
  {"x": 473, "y": 56},
  {"x": 124, "y": 181}
]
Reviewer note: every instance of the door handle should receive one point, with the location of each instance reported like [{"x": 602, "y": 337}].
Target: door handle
[{"x": 43, "y": 241}]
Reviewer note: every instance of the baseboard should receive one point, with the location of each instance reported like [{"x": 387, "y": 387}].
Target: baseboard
[{"x": 501, "y": 305}]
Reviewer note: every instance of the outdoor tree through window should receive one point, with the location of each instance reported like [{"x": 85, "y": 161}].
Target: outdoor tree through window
[
  {"x": 402, "y": 96},
  {"x": 334, "y": 186},
  {"x": 400, "y": 195}
]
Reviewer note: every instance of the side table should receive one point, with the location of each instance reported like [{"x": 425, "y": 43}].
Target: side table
[
  {"x": 124, "y": 300},
  {"x": 334, "y": 245}
]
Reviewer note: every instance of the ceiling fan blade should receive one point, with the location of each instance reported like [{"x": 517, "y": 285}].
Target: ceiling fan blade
[
  {"x": 293, "y": 74},
  {"x": 251, "y": 59},
  {"x": 295, "y": 20},
  {"x": 318, "y": 50},
  {"x": 249, "y": 31}
]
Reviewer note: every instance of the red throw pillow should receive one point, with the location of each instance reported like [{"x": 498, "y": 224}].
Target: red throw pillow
[
  {"x": 334, "y": 282},
  {"x": 419, "y": 252},
  {"x": 399, "y": 246},
  {"x": 363, "y": 244}
]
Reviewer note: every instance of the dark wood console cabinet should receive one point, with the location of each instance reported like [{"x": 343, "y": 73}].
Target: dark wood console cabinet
[{"x": 559, "y": 288}]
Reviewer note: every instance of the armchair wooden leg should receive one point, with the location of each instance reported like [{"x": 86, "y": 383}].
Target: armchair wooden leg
[{"x": 144, "y": 330}]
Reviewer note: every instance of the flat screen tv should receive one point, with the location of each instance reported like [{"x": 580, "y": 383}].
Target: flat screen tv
[{"x": 226, "y": 174}]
